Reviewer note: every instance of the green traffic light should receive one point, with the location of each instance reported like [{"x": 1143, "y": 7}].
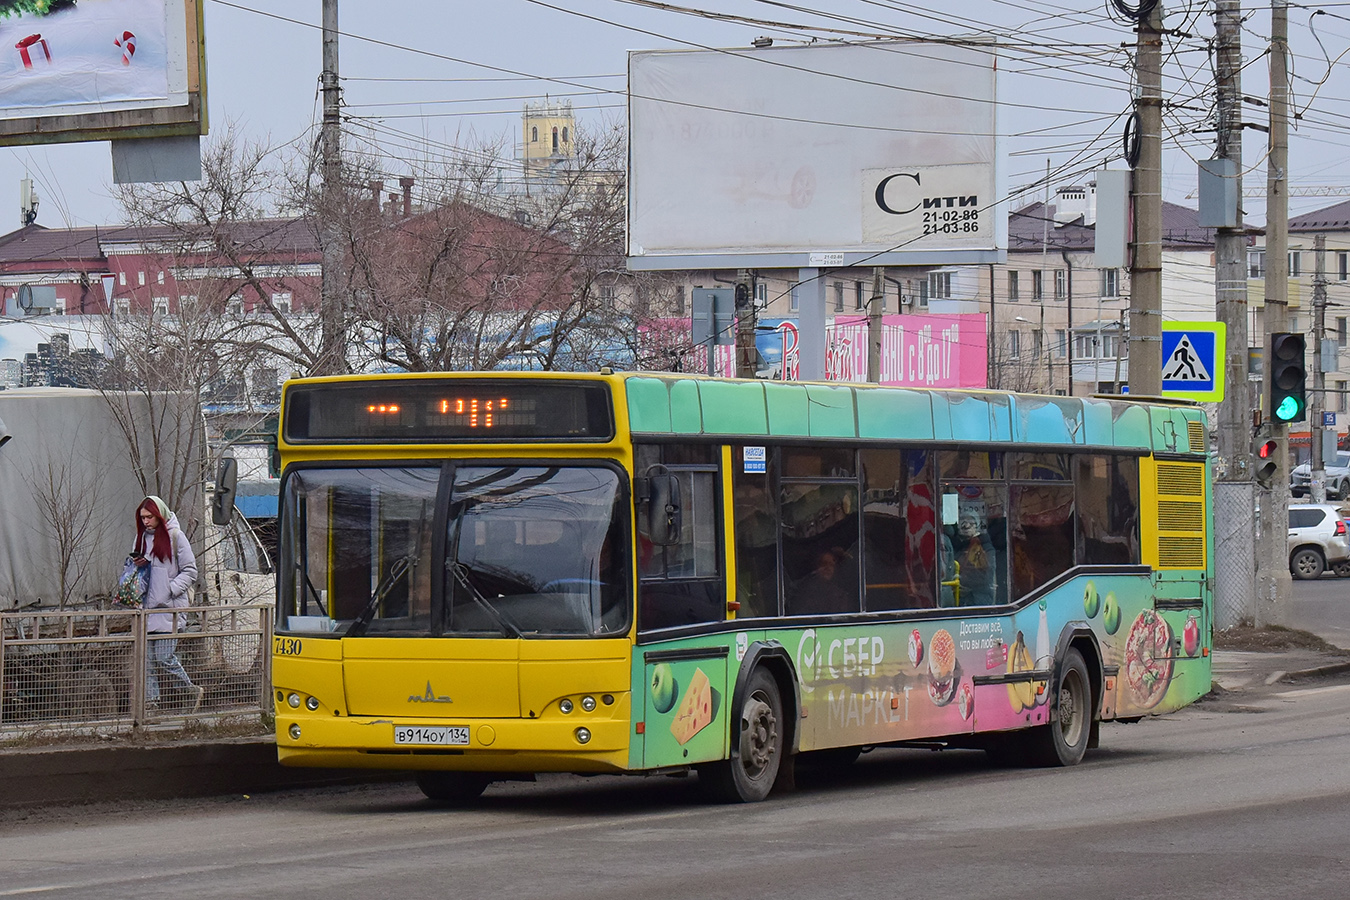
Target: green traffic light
[{"x": 1287, "y": 409}]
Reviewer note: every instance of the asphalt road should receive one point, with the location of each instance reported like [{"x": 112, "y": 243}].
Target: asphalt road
[
  {"x": 1240, "y": 798},
  {"x": 1322, "y": 607}
]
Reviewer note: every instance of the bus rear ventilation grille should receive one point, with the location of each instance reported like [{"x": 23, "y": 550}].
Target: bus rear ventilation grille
[
  {"x": 1181, "y": 479},
  {"x": 1195, "y": 431},
  {"x": 1176, "y": 552}
]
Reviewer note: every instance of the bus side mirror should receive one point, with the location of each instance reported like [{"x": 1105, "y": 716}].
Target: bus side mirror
[
  {"x": 222, "y": 501},
  {"x": 665, "y": 516}
]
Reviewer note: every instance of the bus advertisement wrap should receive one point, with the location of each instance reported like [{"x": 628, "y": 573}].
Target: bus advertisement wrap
[{"x": 724, "y": 576}]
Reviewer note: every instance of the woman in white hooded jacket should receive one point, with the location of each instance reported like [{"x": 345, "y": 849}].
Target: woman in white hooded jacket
[{"x": 162, "y": 546}]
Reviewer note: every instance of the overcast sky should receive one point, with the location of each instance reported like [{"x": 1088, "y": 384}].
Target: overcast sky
[{"x": 445, "y": 72}]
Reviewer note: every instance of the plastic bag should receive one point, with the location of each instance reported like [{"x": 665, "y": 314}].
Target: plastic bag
[{"x": 130, "y": 592}]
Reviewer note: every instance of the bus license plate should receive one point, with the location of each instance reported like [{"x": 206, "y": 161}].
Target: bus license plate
[{"x": 451, "y": 736}]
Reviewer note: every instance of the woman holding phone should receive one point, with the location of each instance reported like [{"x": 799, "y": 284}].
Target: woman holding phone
[{"x": 164, "y": 549}]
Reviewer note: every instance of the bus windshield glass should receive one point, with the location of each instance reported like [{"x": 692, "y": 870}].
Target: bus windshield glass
[{"x": 525, "y": 551}]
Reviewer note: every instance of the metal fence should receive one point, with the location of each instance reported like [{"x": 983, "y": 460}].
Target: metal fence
[{"x": 86, "y": 669}]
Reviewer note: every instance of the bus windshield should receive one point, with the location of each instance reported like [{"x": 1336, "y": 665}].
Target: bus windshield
[{"x": 528, "y": 551}]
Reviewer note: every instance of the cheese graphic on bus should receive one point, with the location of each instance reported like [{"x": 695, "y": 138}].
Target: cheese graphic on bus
[{"x": 695, "y": 710}]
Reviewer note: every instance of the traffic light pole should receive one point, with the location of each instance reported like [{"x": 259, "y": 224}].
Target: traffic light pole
[
  {"x": 1317, "y": 487},
  {"x": 1234, "y": 492},
  {"x": 1272, "y": 550}
]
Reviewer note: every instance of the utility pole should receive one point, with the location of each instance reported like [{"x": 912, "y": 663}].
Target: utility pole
[
  {"x": 746, "y": 320},
  {"x": 1317, "y": 402},
  {"x": 874, "y": 326},
  {"x": 1272, "y": 553},
  {"x": 332, "y": 313},
  {"x": 1146, "y": 269},
  {"x": 1234, "y": 489}
]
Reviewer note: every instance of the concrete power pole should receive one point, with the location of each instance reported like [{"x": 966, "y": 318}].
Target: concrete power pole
[
  {"x": 1272, "y": 554},
  {"x": 332, "y": 314},
  {"x": 747, "y": 318},
  {"x": 1234, "y": 490},
  {"x": 1146, "y": 271},
  {"x": 874, "y": 326},
  {"x": 1317, "y": 402}
]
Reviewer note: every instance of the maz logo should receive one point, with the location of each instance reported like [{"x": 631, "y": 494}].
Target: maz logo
[
  {"x": 966, "y": 200},
  {"x": 428, "y": 697}
]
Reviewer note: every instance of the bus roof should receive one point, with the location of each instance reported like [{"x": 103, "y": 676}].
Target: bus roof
[
  {"x": 673, "y": 405},
  {"x": 695, "y": 405}
]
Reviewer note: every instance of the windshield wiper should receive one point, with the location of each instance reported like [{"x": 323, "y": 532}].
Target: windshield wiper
[
  {"x": 461, "y": 573},
  {"x": 397, "y": 571}
]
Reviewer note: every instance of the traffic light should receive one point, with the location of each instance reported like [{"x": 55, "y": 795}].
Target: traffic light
[
  {"x": 743, "y": 296},
  {"x": 1288, "y": 378},
  {"x": 1266, "y": 464}
]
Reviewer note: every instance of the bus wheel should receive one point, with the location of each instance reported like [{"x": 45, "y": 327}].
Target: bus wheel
[
  {"x": 749, "y": 777},
  {"x": 455, "y": 788},
  {"x": 1063, "y": 741}
]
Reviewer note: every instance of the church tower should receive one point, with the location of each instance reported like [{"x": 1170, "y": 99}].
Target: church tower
[{"x": 548, "y": 135}]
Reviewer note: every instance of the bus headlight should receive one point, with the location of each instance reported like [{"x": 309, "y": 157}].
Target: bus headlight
[
  {"x": 565, "y": 705},
  {"x": 583, "y": 735},
  {"x": 293, "y": 700},
  {"x": 588, "y": 704},
  {"x": 294, "y": 732},
  {"x": 311, "y": 703}
]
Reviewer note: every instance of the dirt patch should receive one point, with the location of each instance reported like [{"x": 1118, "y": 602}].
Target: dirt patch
[{"x": 1273, "y": 638}]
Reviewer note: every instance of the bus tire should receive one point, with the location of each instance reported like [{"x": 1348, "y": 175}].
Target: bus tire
[
  {"x": 1064, "y": 740},
  {"x": 749, "y": 775},
  {"x": 452, "y": 788}
]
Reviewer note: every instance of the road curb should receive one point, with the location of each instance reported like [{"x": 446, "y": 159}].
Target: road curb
[
  {"x": 52, "y": 776},
  {"x": 1318, "y": 672}
]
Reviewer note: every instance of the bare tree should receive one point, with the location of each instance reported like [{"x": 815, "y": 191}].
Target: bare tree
[{"x": 68, "y": 493}]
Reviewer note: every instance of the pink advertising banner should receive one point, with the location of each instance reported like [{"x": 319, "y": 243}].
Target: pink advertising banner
[
  {"x": 935, "y": 351},
  {"x": 939, "y": 351}
]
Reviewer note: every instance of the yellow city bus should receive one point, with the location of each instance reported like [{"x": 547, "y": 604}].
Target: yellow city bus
[{"x": 485, "y": 576}]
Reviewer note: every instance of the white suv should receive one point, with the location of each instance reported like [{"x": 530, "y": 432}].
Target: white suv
[
  {"x": 1318, "y": 540},
  {"x": 1337, "y": 477}
]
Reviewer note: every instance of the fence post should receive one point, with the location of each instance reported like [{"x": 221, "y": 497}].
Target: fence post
[
  {"x": 265, "y": 687},
  {"x": 138, "y": 651},
  {"x": 2, "y": 668}
]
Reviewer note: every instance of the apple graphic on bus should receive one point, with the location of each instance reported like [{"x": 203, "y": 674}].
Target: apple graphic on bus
[
  {"x": 1111, "y": 613},
  {"x": 1091, "y": 601},
  {"x": 663, "y": 688}
]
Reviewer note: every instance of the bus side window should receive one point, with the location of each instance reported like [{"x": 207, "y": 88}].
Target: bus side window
[
  {"x": 681, "y": 584},
  {"x": 900, "y": 529},
  {"x": 1107, "y": 490},
  {"x": 1043, "y": 535},
  {"x": 756, "y": 518},
  {"x": 975, "y": 522},
  {"x": 820, "y": 543}
]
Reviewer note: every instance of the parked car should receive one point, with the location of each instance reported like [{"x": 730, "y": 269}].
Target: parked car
[
  {"x": 1318, "y": 540},
  {"x": 1337, "y": 478}
]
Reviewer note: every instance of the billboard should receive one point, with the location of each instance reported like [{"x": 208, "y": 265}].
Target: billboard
[
  {"x": 100, "y": 69},
  {"x": 884, "y": 153}
]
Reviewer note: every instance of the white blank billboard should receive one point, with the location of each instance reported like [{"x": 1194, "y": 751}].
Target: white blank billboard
[{"x": 879, "y": 153}]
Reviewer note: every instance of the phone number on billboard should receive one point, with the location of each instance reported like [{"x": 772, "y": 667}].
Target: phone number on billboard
[{"x": 950, "y": 227}]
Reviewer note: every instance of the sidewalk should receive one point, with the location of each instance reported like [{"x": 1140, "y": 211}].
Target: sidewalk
[
  {"x": 1236, "y": 670},
  {"x": 47, "y": 775},
  {"x": 56, "y": 775}
]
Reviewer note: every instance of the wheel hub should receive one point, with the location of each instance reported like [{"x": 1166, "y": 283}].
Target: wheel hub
[{"x": 757, "y": 731}]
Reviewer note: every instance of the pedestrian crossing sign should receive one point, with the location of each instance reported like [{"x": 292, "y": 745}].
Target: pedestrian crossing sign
[{"x": 1192, "y": 360}]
